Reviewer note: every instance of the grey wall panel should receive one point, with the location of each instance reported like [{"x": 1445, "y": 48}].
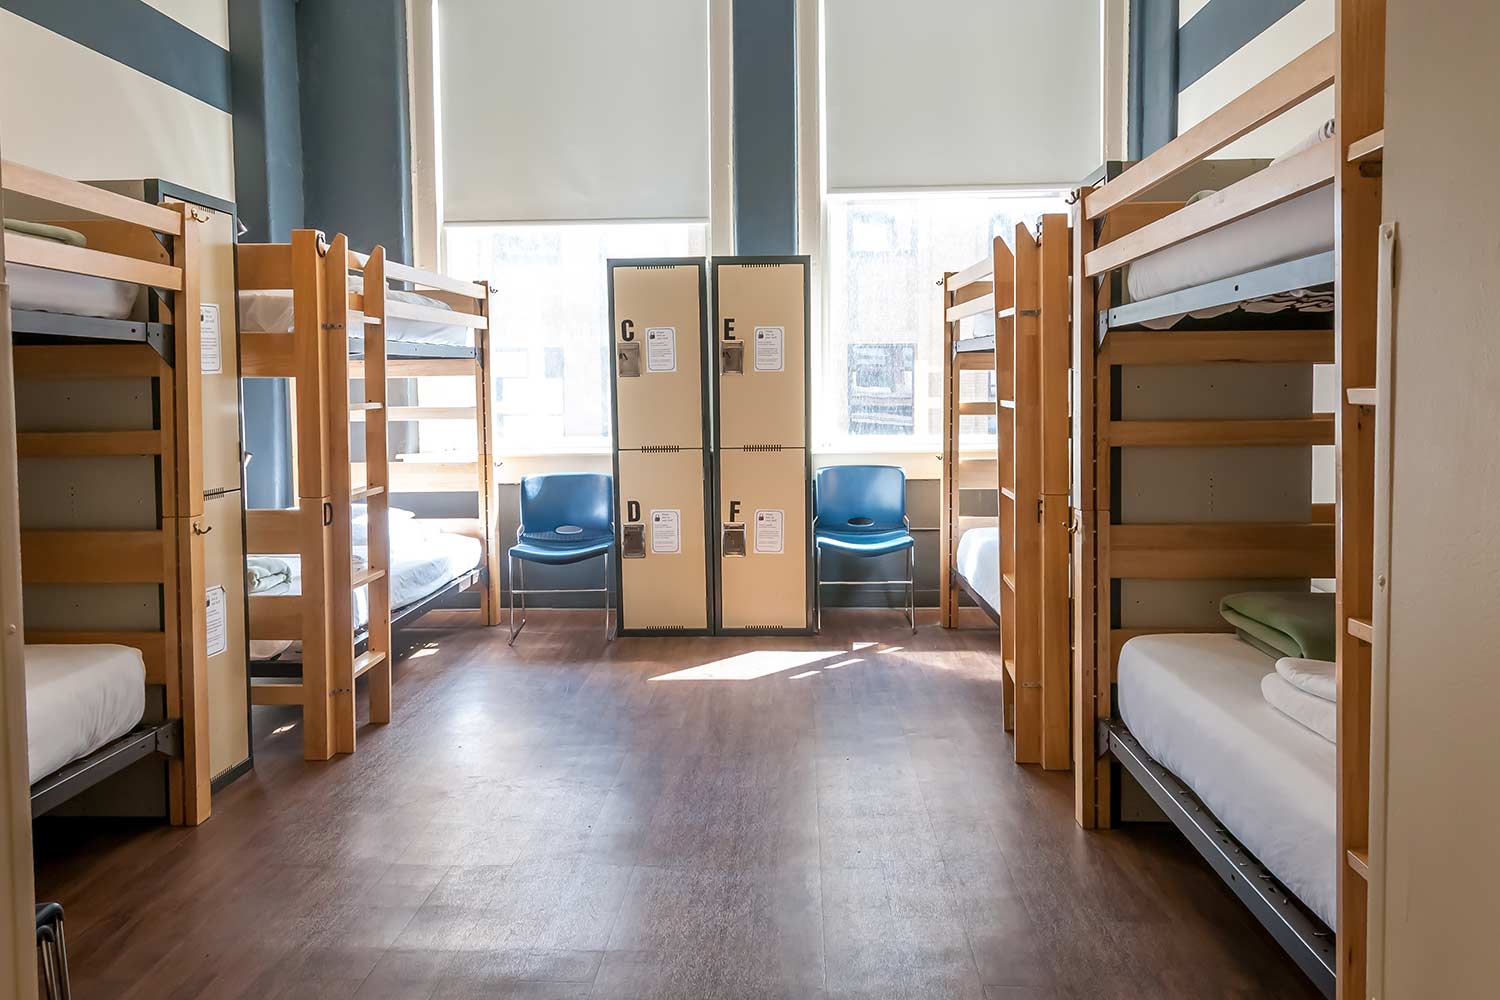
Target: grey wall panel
[
  {"x": 1219, "y": 30},
  {"x": 1165, "y": 485},
  {"x": 1152, "y": 98},
  {"x": 1150, "y": 603},
  {"x": 267, "y": 118}
]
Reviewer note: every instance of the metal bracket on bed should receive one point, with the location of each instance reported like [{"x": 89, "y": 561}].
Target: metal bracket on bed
[
  {"x": 109, "y": 760},
  {"x": 1303, "y": 936}
]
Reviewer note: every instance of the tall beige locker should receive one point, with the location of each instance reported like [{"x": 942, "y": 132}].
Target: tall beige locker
[
  {"x": 662, "y": 460},
  {"x": 761, "y": 416}
]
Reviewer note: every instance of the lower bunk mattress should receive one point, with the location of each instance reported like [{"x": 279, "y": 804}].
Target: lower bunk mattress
[
  {"x": 78, "y": 698},
  {"x": 1195, "y": 705},
  {"x": 40, "y": 289},
  {"x": 271, "y": 310},
  {"x": 978, "y": 562},
  {"x": 422, "y": 563}
]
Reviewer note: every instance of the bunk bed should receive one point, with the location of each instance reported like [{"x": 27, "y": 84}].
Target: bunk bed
[
  {"x": 80, "y": 272},
  {"x": 328, "y": 578},
  {"x": 1014, "y": 567},
  {"x": 1238, "y": 279}
]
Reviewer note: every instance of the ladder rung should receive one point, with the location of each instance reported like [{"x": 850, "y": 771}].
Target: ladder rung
[
  {"x": 1009, "y": 581},
  {"x": 1007, "y": 404},
  {"x": 365, "y": 576},
  {"x": 1363, "y": 397},
  {"x": 1010, "y": 668},
  {"x": 353, "y": 407},
  {"x": 976, "y": 409},
  {"x": 1361, "y": 630},
  {"x": 364, "y": 661},
  {"x": 275, "y": 692},
  {"x": 357, "y": 318},
  {"x": 365, "y": 491}
]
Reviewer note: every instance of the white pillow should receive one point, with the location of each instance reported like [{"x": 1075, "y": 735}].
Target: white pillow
[
  {"x": 1317, "y": 677},
  {"x": 359, "y": 524}
]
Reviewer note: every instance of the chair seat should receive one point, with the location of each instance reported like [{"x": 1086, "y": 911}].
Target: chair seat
[
  {"x": 558, "y": 554},
  {"x": 865, "y": 543}
]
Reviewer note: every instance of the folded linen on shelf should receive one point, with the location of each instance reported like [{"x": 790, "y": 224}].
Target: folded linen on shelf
[
  {"x": 1284, "y": 622},
  {"x": 1308, "y": 710}
]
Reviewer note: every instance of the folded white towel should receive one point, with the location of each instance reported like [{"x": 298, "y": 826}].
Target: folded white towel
[
  {"x": 1310, "y": 711},
  {"x": 1317, "y": 677}
]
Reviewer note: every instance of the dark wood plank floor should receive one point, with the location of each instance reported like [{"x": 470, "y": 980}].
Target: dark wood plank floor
[{"x": 691, "y": 818}]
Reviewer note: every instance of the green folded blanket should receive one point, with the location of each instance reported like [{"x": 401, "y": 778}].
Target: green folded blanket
[
  {"x": 41, "y": 230},
  {"x": 1285, "y": 623}
]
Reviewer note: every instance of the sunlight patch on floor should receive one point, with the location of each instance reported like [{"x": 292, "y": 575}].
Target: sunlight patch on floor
[{"x": 749, "y": 666}]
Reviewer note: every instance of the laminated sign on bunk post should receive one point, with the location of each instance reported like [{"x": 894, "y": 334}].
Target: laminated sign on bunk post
[
  {"x": 657, "y": 319},
  {"x": 761, "y": 311}
]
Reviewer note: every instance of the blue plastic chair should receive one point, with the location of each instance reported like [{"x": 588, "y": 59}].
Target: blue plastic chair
[
  {"x": 565, "y": 518},
  {"x": 860, "y": 510}
]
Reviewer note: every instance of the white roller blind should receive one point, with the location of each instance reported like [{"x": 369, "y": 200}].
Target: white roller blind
[
  {"x": 950, "y": 93},
  {"x": 562, "y": 110}
]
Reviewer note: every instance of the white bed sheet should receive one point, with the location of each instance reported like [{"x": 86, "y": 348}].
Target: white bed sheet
[
  {"x": 978, "y": 562},
  {"x": 271, "y": 310},
  {"x": 1194, "y": 702},
  {"x": 78, "y": 698},
  {"x": 41, "y": 289},
  {"x": 421, "y": 565}
]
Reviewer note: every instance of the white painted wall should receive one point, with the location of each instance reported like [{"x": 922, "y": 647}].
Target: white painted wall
[
  {"x": 1442, "y": 887},
  {"x": 71, "y": 111}
]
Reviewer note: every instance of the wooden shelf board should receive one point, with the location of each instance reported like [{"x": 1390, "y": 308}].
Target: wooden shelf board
[{"x": 1371, "y": 147}]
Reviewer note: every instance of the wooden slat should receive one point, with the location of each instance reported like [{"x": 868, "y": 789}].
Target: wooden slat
[
  {"x": 419, "y": 367},
  {"x": 431, "y": 279},
  {"x": 268, "y": 355},
  {"x": 1289, "y": 432},
  {"x": 1130, "y": 347},
  {"x": 1225, "y": 551},
  {"x": 363, "y": 408},
  {"x": 365, "y": 577},
  {"x": 276, "y": 616},
  {"x": 93, "y": 557},
  {"x": 975, "y": 361},
  {"x": 1324, "y": 513},
  {"x": 88, "y": 361},
  {"x": 428, "y": 477},
  {"x": 275, "y": 532},
  {"x": 1361, "y": 630},
  {"x": 973, "y": 307},
  {"x": 1368, "y": 148},
  {"x": 153, "y": 646},
  {"x": 263, "y": 266},
  {"x": 979, "y": 271},
  {"x": 1281, "y": 181},
  {"x": 396, "y": 413},
  {"x": 86, "y": 444},
  {"x": 269, "y": 692},
  {"x": 1289, "y": 86},
  {"x": 1363, "y": 396},
  {"x": 1359, "y": 861},
  {"x": 976, "y": 408},
  {"x": 365, "y": 492},
  {"x": 86, "y": 198},
  {"x": 366, "y": 660},
  {"x": 395, "y": 309},
  {"x": 81, "y": 260}
]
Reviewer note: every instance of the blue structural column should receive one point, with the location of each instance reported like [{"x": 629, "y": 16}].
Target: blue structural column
[
  {"x": 765, "y": 126},
  {"x": 1153, "y": 75},
  {"x": 356, "y": 129}
]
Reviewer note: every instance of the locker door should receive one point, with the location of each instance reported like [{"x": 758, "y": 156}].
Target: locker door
[
  {"x": 224, "y": 601},
  {"x": 761, "y": 313},
  {"x": 656, "y": 313},
  {"x": 219, "y": 330},
  {"x": 663, "y": 552},
  {"x": 763, "y": 513}
]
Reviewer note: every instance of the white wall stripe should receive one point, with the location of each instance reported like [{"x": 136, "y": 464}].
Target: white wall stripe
[
  {"x": 209, "y": 18},
  {"x": 1187, "y": 8},
  {"x": 1257, "y": 59}
]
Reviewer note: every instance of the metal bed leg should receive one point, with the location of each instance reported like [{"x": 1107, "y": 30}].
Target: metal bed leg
[
  {"x": 607, "y": 636},
  {"x": 517, "y": 588}
]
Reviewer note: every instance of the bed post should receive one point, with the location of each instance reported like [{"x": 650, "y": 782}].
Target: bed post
[
  {"x": 190, "y": 782},
  {"x": 1359, "y": 94},
  {"x": 948, "y": 530},
  {"x": 340, "y": 594},
  {"x": 484, "y": 339},
  {"x": 376, "y": 659},
  {"x": 1053, "y": 512}
]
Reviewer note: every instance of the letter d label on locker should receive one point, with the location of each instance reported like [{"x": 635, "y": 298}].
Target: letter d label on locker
[
  {"x": 761, "y": 308},
  {"x": 657, "y": 321}
]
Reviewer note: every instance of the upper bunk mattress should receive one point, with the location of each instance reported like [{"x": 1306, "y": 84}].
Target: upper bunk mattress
[
  {"x": 1194, "y": 703},
  {"x": 78, "y": 698},
  {"x": 978, "y": 562},
  {"x": 270, "y": 310},
  {"x": 41, "y": 289}
]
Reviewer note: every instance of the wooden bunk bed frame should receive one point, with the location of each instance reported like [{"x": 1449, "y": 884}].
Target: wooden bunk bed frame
[
  {"x": 351, "y": 343},
  {"x": 1026, "y": 292},
  {"x": 1113, "y": 229},
  {"x": 155, "y": 246}
]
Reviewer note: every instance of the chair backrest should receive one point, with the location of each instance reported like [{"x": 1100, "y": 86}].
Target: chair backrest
[
  {"x": 570, "y": 499},
  {"x": 860, "y": 498}
]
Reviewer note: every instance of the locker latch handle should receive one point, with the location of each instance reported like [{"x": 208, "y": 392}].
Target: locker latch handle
[
  {"x": 633, "y": 541},
  {"x": 733, "y": 539},
  {"x": 628, "y": 360},
  {"x": 732, "y": 357}
]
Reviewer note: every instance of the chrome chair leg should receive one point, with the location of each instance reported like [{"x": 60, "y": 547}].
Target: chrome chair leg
[
  {"x": 607, "y": 636},
  {"x": 517, "y": 588},
  {"x": 817, "y": 588},
  {"x": 911, "y": 588}
]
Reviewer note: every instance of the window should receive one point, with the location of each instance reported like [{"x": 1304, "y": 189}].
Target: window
[
  {"x": 551, "y": 321},
  {"x": 880, "y": 383}
]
